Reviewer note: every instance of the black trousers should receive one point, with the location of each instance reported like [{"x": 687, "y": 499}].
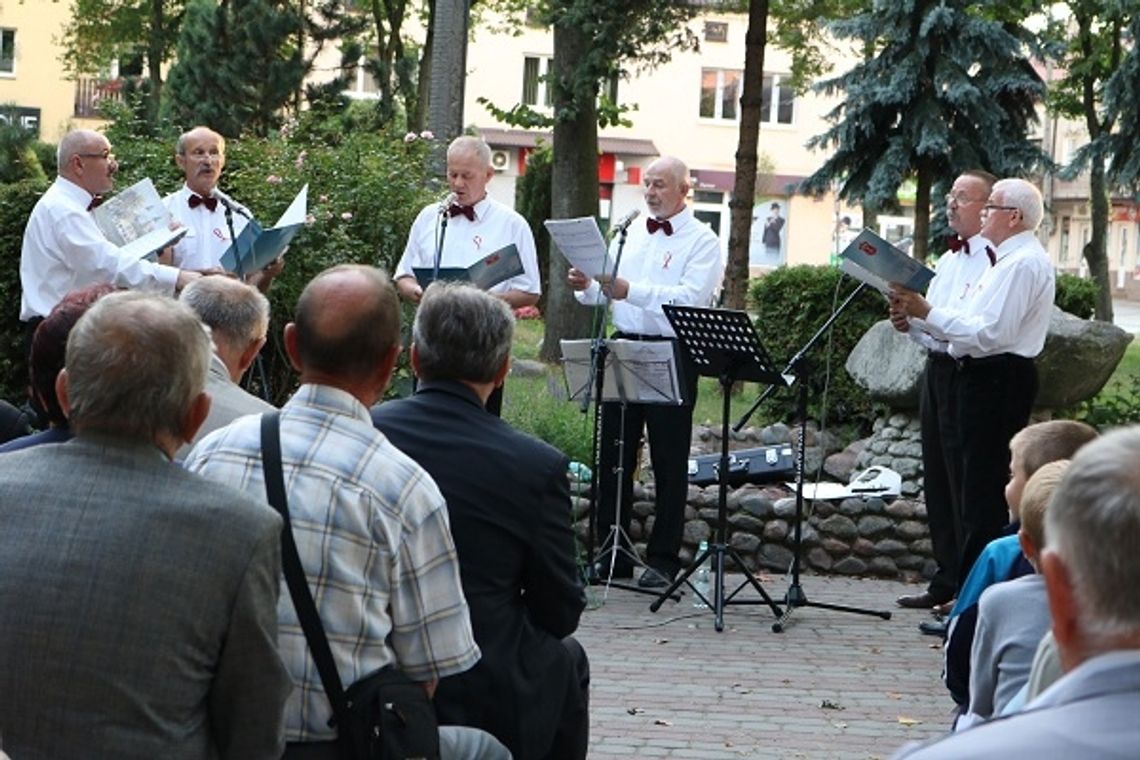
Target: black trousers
[
  {"x": 995, "y": 398},
  {"x": 572, "y": 737},
  {"x": 941, "y": 465},
  {"x": 669, "y": 430}
]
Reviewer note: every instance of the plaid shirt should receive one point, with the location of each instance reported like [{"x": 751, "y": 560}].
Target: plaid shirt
[{"x": 373, "y": 535}]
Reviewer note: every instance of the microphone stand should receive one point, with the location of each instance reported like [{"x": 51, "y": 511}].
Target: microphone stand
[
  {"x": 239, "y": 271},
  {"x": 616, "y": 534},
  {"x": 439, "y": 245}
]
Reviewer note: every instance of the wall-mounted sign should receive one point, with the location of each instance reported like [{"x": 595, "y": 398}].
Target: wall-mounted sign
[{"x": 28, "y": 118}]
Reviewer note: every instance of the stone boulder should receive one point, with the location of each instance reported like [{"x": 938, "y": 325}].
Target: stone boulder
[{"x": 1080, "y": 356}]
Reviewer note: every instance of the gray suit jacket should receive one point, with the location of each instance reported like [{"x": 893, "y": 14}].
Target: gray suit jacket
[
  {"x": 1090, "y": 714},
  {"x": 137, "y": 609},
  {"x": 228, "y": 401}
]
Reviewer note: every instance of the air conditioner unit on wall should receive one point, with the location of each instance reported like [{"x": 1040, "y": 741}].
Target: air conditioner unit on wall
[{"x": 500, "y": 160}]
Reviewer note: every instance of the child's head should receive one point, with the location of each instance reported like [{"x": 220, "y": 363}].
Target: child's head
[
  {"x": 1034, "y": 501},
  {"x": 1037, "y": 445}
]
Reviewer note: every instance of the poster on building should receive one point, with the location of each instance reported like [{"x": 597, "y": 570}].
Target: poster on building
[{"x": 768, "y": 245}]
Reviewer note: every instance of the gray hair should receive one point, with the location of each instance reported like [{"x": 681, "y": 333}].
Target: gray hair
[
  {"x": 1093, "y": 525},
  {"x": 1025, "y": 197},
  {"x": 74, "y": 142},
  {"x": 135, "y": 363},
  {"x": 180, "y": 146},
  {"x": 235, "y": 312},
  {"x": 471, "y": 145},
  {"x": 461, "y": 333}
]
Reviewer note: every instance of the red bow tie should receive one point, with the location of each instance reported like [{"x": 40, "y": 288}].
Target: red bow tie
[
  {"x": 992, "y": 256},
  {"x": 195, "y": 201},
  {"x": 95, "y": 203},
  {"x": 456, "y": 210},
  {"x": 957, "y": 243},
  {"x": 653, "y": 225}
]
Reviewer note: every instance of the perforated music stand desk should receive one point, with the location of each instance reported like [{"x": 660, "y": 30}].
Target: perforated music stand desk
[{"x": 721, "y": 343}]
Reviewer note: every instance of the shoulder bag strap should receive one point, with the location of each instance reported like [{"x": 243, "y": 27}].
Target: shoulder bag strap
[{"x": 294, "y": 574}]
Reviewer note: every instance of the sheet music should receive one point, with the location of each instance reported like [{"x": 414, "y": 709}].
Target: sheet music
[
  {"x": 642, "y": 372},
  {"x": 580, "y": 241},
  {"x": 259, "y": 247},
  {"x": 137, "y": 221},
  {"x": 885, "y": 261},
  {"x": 647, "y": 371}
]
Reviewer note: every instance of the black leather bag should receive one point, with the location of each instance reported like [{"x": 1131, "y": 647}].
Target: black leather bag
[
  {"x": 383, "y": 716},
  {"x": 390, "y": 718}
]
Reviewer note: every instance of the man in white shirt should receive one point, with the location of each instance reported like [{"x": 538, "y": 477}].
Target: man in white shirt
[
  {"x": 468, "y": 229},
  {"x": 64, "y": 249},
  {"x": 201, "y": 207},
  {"x": 993, "y": 336},
  {"x": 957, "y": 272},
  {"x": 672, "y": 259}
]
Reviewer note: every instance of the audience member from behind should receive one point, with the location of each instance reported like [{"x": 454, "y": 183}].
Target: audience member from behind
[
  {"x": 370, "y": 526},
  {"x": 1090, "y": 564},
  {"x": 139, "y": 601},
  {"x": 508, "y": 501},
  {"x": 238, "y": 318},
  {"x": 1002, "y": 559},
  {"x": 1013, "y": 616},
  {"x": 49, "y": 344}
]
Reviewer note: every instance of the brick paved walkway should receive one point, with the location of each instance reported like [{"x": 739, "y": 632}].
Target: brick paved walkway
[{"x": 832, "y": 685}]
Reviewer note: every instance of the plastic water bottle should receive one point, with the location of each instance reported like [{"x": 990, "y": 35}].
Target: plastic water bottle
[{"x": 701, "y": 579}]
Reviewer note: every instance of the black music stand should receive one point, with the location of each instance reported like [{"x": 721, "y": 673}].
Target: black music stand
[
  {"x": 798, "y": 367},
  {"x": 723, "y": 344}
]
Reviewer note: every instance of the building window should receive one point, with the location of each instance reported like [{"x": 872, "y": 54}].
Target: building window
[
  {"x": 721, "y": 90},
  {"x": 1066, "y": 231},
  {"x": 716, "y": 31},
  {"x": 7, "y": 51},
  {"x": 535, "y": 89}
]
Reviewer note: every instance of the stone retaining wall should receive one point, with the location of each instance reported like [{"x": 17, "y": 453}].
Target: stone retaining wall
[{"x": 856, "y": 536}]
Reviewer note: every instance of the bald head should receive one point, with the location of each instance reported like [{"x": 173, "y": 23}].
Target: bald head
[
  {"x": 346, "y": 326},
  {"x": 666, "y": 186},
  {"x": 84, "y": 157}
]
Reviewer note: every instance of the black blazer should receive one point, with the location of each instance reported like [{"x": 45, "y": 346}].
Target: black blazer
[{"x": 508, "y": 500}]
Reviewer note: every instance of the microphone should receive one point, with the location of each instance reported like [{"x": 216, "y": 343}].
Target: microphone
[
  {"x": 446, "y": 203},
  {"x": 232, "y": 205},
  {"x": 625, "y": 221}
]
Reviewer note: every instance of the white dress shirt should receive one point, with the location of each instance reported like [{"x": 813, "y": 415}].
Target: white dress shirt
[
  {"x": 207, "y": 234},
  {"x": 1009, "y": 308},
  {"x": 466, "y": 242},
  {"x": 682, "y": 269},
  {"x": 956, "y": 274},
  {"x": 64, "y": 250}
]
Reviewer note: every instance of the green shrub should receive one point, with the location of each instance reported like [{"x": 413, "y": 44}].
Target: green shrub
[
  {"x": 535, "y": 405},
  {"x": 791, "y": 304},
  {"x": 1075, "y": 295},
  {"x": 532, "y": 200},
  {"x": 16, "y": 202}
]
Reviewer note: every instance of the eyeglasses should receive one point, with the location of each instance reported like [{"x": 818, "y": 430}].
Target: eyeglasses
[
  {"x": 994, "y": 207},
  {"x": 961, "y": 199},
  {"x": 104, "y": 154}
]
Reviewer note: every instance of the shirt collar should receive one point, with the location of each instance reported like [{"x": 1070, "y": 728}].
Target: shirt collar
[
  {"x": 330, "y": 400},
  {"x": 1012, "y": 243},
  {"x": 73, "y": 191},
  {"x": 679, "y": 220}
]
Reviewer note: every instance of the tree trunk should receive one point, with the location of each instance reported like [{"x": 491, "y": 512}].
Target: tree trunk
[
  {"x": 418, "y": 119},
  {"x": 574, "y": 174},
  {"x": 921, "y": 235},
  {"x": 448, "y": 64},
  {"x": 744, "y": 184},
  {"x": 1096, "y": 252},
  {"x": 154, "y": 49}
]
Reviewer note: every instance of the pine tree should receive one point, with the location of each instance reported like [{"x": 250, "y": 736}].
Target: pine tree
[
  {"x": 1122, "y": 100},
  {"x": 943, "y": 89},
  {"x": 238, "y": 65}
]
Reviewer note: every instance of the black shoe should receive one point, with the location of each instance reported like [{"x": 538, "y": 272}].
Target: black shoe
[
  {"x": 601, "y": 571},
  {"x": 933, "y": 628},
  {"x": 923, "y": 601},
  {"x": 654, "y": 578}
]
